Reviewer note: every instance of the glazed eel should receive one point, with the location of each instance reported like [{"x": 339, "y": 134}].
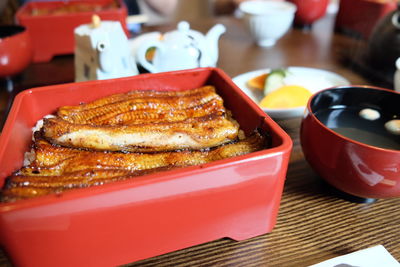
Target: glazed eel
[
  {"x": 54, "y": 169},
  {"x": 142, "y": 121},
  {"x": 127, "y": 135}
]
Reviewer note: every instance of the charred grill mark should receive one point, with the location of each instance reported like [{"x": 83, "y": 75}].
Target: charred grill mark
[
  {"x": 138, "y": 116},
  {"x": 139, "y": 101}
]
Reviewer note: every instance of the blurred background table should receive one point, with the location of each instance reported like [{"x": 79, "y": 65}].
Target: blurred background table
[{"x": 313, "y": 223}]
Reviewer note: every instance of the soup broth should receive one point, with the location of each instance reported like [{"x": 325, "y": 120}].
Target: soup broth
[{"x": 347, "y": 122}]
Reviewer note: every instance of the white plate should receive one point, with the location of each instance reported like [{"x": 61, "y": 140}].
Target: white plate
[{"x": 310, "y": 78}]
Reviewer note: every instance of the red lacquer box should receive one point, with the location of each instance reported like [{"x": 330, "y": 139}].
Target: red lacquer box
[
  {"x": 130, "y": 220},
  {"x": 359, "y": 17},
  {"x": 51, "y": 24}
]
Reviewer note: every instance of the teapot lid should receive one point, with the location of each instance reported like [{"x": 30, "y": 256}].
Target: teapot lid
[
  {"x": 183, "y": 26},
  {"x": 180, "y": 36}
]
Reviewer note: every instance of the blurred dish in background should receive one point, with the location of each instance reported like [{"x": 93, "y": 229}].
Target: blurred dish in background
[
  {"x": 384, "y": 43},
  {"x": 53, "y": 34},
  {"x": 352, "y": 14},
  {"x": 311, "y": 79},
  {"x": 267, "y": 21},
  {"x": 15, "y": 52},
  {"x": 15, "y": 49},
  {"x": 134, "y": 23},
  {"x": 72, "y": 7},
  {"x": 309, "y": 11}
]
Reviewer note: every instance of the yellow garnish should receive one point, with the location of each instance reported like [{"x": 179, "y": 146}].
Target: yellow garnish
[{"x": 288, "y": 96}]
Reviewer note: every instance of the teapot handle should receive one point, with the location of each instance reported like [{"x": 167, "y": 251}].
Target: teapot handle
[
  {"x": 396, "y": 19},
  {"x": 141, "y": 55},
  {"x": 397, "y": 76}
]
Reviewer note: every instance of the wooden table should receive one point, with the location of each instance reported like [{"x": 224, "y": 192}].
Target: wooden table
[{"x": 313, "y": 224}]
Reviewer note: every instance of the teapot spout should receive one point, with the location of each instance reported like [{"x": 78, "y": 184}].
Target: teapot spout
[{"x": 212, "y": 38}]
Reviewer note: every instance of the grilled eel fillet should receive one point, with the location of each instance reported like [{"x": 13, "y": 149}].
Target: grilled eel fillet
[
  {"x": 142, "y": 121},
  {"x": 193, "y": 133},
  {"x": 138, "y": 107},
  {"x": 55, "y": 168}
]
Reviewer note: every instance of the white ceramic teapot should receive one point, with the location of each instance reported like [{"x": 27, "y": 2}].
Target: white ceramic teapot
[
  {"x": 181, "y": 49},
  {"x": 102, "y": 51}
]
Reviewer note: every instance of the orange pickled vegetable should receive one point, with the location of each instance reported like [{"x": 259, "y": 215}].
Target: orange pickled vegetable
[{"x": 257, "y": 82}]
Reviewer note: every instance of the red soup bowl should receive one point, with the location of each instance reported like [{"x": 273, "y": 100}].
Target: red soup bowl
[
  {"x": 15, "y": 49},
  {"x": 348, "y": 138}
]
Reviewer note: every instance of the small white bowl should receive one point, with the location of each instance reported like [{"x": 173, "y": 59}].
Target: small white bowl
[{"x": 267, "y": 20}]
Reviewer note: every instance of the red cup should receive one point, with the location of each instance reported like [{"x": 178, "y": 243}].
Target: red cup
[{"x": 308, "y": 11}]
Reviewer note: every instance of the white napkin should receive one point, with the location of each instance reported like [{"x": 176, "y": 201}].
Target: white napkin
[{"x": 370, "y": 257}]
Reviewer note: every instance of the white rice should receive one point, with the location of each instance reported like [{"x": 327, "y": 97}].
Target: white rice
[
  {"x": 30, "y": 156},
  {"x": 39, "y": 125}
]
